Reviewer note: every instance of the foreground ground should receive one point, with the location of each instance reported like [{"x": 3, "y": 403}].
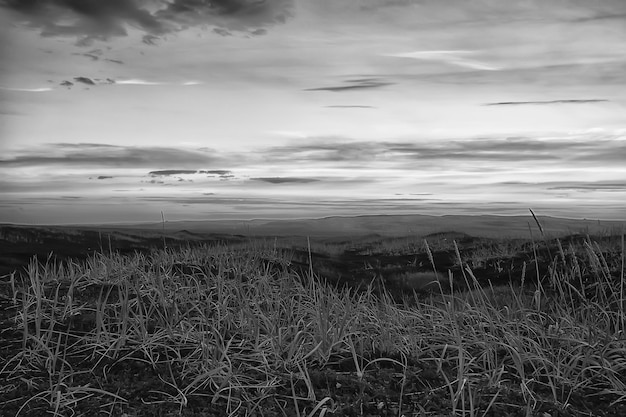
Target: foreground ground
[{"x": 447, "y": 325}]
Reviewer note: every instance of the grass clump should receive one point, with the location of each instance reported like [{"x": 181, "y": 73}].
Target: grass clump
[{"x": 233, "y": 330}]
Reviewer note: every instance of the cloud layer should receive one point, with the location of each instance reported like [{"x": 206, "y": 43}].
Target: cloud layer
[
  {"x": 576, "y": 175},
  {"x": 574, "y": 150},
  {"x": 96, "y": 19},
  {"x": 517, "y": 103},
  {"x": 350, "y": 85},
  {"x": 103, "y": 155}
]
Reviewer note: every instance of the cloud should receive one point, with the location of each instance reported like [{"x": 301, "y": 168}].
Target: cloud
[
  {"x": 220, "y": 172},
  {"x": 88, "y": 19},
  {"x": 457, "y": 58},
  {"x": 136, "y": 81},
  {"x": 87, "y": 81},
  {"x": 338, "y": 155},
  {"x": 232, "y": 14},
  {"x": 356, "y": 106},
  {"x": 222, "y": 32},
  {"x": 606, "y": 72},
  {"x": 282, "y": 180},
  {"x": 601, "y": 17},
  {"x": 88, "y": 55},
  {"x": 172, "y": 172},
  {"x": 150, "y": 40},
  {"x": 583, "y": 150},
  {"x": 614, "y": 186},
  {"x": 496, "y": 11},
  {"x": 517, "y": 103},
  {"x": 91, "y": 20},
  {"x": 84, "y": 80},
  {"x": 94, "y": 154},
  {"x": 358, "y": 84},
  {"x": 28, "y": 90},
  {"x": 96, "y": 55}
]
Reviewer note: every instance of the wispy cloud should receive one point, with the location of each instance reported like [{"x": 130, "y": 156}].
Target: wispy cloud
[
  {"x": 610, "y": 186},
  {"x": 357, "y": 84},
  {"x": 93, "y": 82},
  {"x": 28, "y": 90},
  {"x": 94, "y": 154},
  {"x": 605, "y": 72},
  {"x": 137, "y": 81},
  {"x": 457, "y": 58},
  {"x": 601, "y": 17},
  {"x": 285, "y": 180},
  {"x": 97, "y": 55},
  {"x": 349, "y": 106},
  {"x": 517, "y": 103}
]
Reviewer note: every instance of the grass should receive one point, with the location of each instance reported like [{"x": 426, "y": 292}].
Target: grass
[{"x": 233, "y": 330}]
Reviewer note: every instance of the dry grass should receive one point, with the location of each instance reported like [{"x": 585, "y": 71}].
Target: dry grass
[{"x": 233, "y": 329}]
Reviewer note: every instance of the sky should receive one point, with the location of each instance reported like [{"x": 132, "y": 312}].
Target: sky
[{"x": 117, "y": 111}]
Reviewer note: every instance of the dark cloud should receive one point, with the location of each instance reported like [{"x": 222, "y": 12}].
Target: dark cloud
[
  {"x": 231, "y": 14},
  {"x": 172, "y": 172},
  {"x": 84, "y": 80},
  {"x": 150, "y": 40},
  {"x": 96, "y": 55},
  {"x": 91, "y": 20},
  {"x": 104, "y": 177},
  {"x": 282, "y": 180},
  {"x": 517, "y": 103},
  {"x": 87, "y": 81},
  {"x": 221, "y": 172},
  {"x": 222, "y": 32},
  {"x": 93, "y": 154},
  {"x": 359, "y": 84},
  {"x": 93, "y": 57}
]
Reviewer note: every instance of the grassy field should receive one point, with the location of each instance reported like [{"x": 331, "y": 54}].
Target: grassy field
[{"x": 442, "y": 326}]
